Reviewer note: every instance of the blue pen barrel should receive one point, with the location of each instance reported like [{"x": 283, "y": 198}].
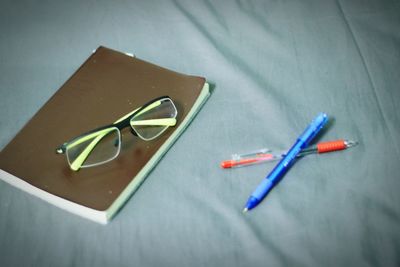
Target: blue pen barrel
[
  {"x": 302, "y": 142},
  {"x": 263, "y": 189},
  {"x": 281, "y": 168},
  {"x": 312, "y": 130},
  {"x": 285, "y": 163},
  {"x": 273, "y": 178}
]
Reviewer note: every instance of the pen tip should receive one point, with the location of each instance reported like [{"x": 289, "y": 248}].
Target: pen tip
[{"x": 245, "y": 210}]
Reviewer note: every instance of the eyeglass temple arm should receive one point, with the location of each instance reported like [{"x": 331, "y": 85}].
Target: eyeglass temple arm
[
  {"x": 85, "y": 153},
  {"x": 61, "y": 149},
  {"x": 77, "y": 164},
  {"x": 149, "y": 107},
  {"x": 155, "y": 122}
]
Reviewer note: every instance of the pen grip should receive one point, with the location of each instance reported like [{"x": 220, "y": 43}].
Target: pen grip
[
  {"x": 262, "y": 189},
  {"x": 324, "y": 147}
]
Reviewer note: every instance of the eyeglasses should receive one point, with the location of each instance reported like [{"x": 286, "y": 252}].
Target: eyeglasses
[{"x": 104, "y": 144}]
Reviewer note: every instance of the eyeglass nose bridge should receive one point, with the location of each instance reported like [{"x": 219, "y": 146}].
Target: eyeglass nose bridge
[{"x": 123, "y": 124}]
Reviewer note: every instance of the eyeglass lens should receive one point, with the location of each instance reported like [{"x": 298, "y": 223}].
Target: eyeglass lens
[
  {"x": 95, "y": 148},
  {"x": 158, "y": 115}
]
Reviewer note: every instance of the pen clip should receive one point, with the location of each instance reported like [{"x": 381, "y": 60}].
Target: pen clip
[{"x": 253, "y": 154}]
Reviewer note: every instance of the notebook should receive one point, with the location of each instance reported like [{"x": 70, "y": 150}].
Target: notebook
[{"x": 108, "y": 85}]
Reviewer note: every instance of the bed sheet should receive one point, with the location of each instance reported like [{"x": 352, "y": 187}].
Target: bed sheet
[{"x": 273, "y": 65}]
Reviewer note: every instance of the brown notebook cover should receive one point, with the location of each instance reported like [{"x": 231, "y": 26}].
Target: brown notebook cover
[{"x": 107, "y": 86}]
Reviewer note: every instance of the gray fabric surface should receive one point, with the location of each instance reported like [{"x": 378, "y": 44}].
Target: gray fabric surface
[{"x": 274, "y": 66}]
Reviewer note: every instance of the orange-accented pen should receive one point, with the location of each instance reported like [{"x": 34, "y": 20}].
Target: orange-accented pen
[{"x": 265, "y": 155}]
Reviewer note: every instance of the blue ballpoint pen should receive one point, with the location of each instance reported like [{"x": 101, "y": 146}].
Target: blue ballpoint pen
[{"x": 280, "y": 169}]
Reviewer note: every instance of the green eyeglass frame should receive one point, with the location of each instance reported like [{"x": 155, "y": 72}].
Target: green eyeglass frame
[{"x": 91, "y": 139}]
